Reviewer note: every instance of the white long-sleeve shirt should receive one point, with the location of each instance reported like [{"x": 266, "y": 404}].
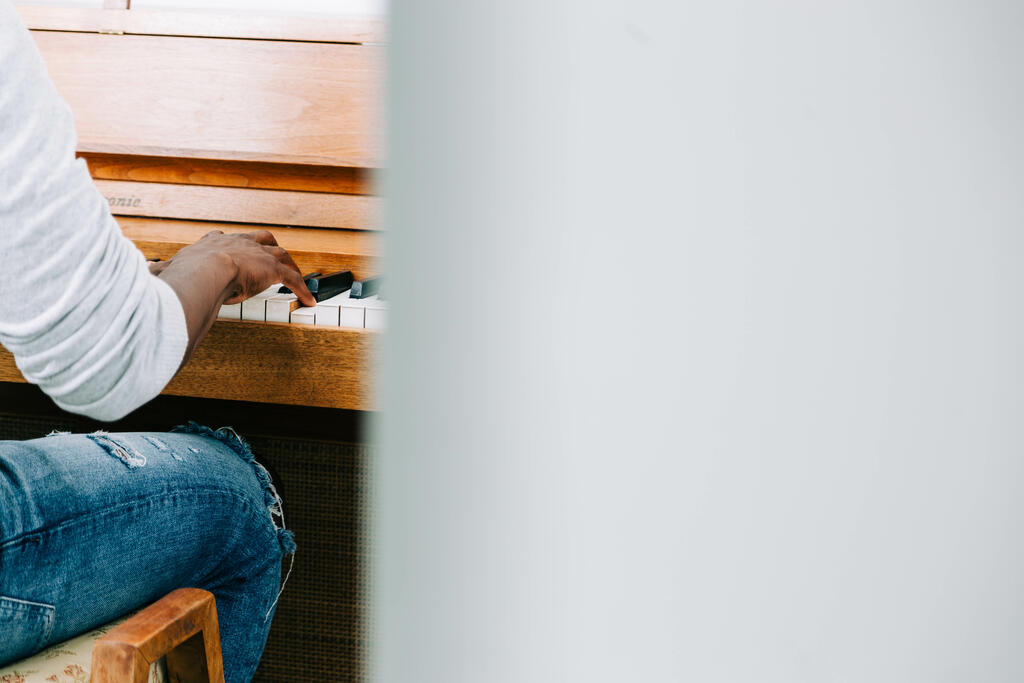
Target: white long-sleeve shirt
[{"x": 79, "y": 310}]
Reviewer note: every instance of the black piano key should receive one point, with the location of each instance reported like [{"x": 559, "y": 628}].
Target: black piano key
[
  {"x": 365, "y": 288},
  {"x": 325, "y": 286},
  {"x": 305, "y": 278}
]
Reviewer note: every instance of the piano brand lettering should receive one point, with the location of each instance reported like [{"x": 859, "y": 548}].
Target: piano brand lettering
[{"x": 125, "y": 201}]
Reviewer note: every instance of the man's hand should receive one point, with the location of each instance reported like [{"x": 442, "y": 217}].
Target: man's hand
[
  {"x": 254, "y": 260},
  {"x": 220, "y": 269}
]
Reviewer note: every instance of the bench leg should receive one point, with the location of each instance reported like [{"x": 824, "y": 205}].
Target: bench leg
[{"x": 181, "y": 626}]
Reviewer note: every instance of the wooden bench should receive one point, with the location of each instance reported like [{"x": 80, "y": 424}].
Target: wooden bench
[{"x": 174, "y": 639}]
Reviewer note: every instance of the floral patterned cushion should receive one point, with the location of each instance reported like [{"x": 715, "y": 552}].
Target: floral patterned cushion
[{"x": 67, "y": 662}]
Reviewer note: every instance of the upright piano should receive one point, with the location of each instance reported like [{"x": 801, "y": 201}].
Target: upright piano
[{"x": 195, "y": 121}]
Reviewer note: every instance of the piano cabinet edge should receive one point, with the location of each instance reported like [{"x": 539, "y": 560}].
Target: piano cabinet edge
[{"x": 272, "y": 363}]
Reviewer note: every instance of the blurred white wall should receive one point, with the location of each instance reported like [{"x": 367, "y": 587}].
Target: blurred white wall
[{"x": 705, "y": 362}]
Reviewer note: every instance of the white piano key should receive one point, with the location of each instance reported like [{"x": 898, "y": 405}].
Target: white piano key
[
  {"x": 230, "y": 312},
  {"x": 303, "y": 316},
  {"x": 353, "y": 312},
  {"x": 255, "y": 308},
  {"x": 280, "y": 307},
  {"x": 376, "y": 315},
  {"x": 328, "y": 310}
]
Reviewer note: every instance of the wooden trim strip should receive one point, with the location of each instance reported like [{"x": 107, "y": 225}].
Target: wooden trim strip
[
  {"x": 206, "y": 24},
  {"x": 91, "y": 148},
  {"x": 230, "y": 173},
  {"x": 240, "y": 205},
  {"x": 313, "y": 249},
  {"x": 272, "y": 363}
]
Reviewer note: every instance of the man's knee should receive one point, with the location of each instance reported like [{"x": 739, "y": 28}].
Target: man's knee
[{"x": 258, "y": 483}]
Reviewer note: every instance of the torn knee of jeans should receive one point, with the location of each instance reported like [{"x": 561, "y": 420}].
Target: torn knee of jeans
[
  {"x": 225, "y": 435},
  {"x": 126, "y": 454},
  {"x": 161, "y": 446},
  {"x": 271, "y": 498}
]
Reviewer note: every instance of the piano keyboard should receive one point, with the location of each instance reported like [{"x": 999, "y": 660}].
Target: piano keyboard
[{"x": 341, "y": 310}]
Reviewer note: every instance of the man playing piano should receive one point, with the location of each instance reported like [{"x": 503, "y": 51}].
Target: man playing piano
[{"x": 95, "y": 526}]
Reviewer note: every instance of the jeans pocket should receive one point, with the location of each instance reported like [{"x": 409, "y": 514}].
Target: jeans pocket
[{"x": 25, "y": 626}]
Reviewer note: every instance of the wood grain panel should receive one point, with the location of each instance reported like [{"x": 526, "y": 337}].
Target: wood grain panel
[
  {"x": 313, "y": 250},
  {"x": 272, "y": 363},
  {"x": 328, "y": 29},
  {"x": 248, "y": 100},
  {"x": 311, "y": 209},
  {"x": 225, "y": 173}
]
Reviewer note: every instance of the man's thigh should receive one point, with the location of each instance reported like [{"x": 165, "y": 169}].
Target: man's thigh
[{"x": 94, "y": 526}]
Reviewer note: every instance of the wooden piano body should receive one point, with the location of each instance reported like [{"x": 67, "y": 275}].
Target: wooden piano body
[
  {"x": 193, "y": 121},
  {"x": 247, "y": 127}
]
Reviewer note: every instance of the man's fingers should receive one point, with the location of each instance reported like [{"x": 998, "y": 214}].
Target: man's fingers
[
  {"x": 294, "y": 282},
  {"x": 286, "y": 258},
  {"x": 263, "y": 237}
]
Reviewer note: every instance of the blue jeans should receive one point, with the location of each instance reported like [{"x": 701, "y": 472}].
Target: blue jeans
[{"x": 94, "y": 526}]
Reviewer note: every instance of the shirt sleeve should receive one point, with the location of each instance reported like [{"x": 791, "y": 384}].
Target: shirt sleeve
[{"x": 79, "y": 310}]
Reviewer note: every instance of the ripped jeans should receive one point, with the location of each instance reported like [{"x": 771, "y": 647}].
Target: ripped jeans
[{"x": 94, "y": 526}]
